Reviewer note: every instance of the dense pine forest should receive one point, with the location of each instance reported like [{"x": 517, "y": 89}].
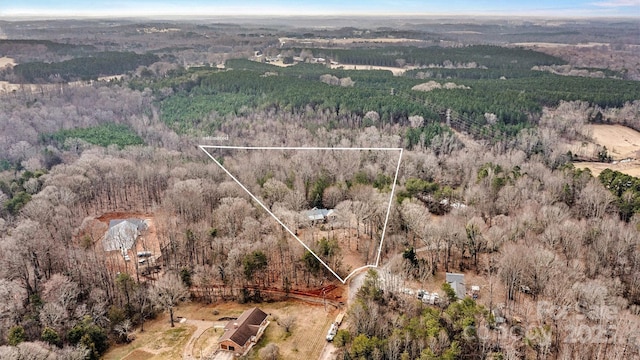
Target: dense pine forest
[{"x": 516, "y": 96}]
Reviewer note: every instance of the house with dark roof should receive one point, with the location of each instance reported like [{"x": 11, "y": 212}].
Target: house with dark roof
[
  {"x": 241, "y": 334},
  {"x": 122, "y": 234}
]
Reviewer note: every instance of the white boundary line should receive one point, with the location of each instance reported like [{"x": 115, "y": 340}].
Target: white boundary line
[{"x": 393, "y": 188}]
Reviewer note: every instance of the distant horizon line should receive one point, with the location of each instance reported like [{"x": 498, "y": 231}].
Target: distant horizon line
[{"x": 4, "y": 17}]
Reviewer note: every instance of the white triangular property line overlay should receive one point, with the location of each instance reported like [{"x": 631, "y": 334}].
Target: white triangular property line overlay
[{"x": 386, "y": 220}]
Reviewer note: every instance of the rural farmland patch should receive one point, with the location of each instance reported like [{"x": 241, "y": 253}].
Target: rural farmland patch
[
  {"x": 622, "y": 143},
  {"x": 6, "y": 61}
]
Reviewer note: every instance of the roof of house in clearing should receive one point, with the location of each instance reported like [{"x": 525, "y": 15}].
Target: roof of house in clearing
[
  {"x": 122, "y": 234},
  {"x": 247, "y": 326},
  {"x": 457, "y": 283},
  {"x": 318, "y": 214}
]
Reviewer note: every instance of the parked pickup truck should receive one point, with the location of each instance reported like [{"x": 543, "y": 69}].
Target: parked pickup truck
[{"x": 333, "y": 330}]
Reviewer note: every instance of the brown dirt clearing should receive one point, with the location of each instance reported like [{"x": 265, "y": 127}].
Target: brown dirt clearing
[
  {"x": 397, "y": 71},
  {"x": 148, "y": 241},
  {"x": 6, "y": 61},
  {"x": 344, "y": 41},
  {"x": 622, "y": 143},
  {"x": 555, "y": 45},
  {"x": 629, "y": 167}
]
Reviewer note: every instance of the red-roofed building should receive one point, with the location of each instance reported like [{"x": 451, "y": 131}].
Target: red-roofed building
[{"x": 241, "y": 334}]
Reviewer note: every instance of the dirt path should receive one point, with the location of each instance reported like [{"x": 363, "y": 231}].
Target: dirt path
[
  {"x": 354, "y": 285},
  {"x": 328, "y": 352},
  {"x": 201, "y": 327}
]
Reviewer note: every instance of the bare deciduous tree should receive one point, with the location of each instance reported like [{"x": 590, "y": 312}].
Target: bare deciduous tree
[
  {"x": 594, "y": 200},
  {"x": 510, "y": 269},
  {"x": 168, "y": 292},
  {"x": 287, "y": 323},
  {"x": 270, "y": 352}
]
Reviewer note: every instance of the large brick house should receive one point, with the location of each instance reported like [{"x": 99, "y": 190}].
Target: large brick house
[{"x": 241, "y": 334}]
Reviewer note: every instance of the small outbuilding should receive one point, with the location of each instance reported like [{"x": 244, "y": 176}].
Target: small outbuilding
[{"x": 241, "y": 334}]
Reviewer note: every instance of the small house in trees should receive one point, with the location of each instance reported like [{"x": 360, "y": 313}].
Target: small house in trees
[
  {"x": 457, "y": 283},
  {"x": 241, "y": 334},
  {"x": 122, "y": 234},
  {"x": 316, "y": 215}
]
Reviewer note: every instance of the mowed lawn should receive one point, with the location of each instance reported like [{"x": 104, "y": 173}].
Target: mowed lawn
[{"x": 161, "y": 342}]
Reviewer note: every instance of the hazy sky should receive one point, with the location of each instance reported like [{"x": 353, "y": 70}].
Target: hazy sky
[{"x": 556, "y": 8}]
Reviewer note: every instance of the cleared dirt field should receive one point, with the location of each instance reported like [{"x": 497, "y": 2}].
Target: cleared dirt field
[
  {"x": 397, "y": 71},
  {"x": 7, "y": 87},
  {"x": 622, "y": 143},
  {"x": 345, "y": 41},
  {"x": 148, "y": 241},
  {"x": 6, "y": 61},
  {"x": 161, "y": 342},
  {"x": 628, "y": 167},
  {"x": 553, "y": 45}
]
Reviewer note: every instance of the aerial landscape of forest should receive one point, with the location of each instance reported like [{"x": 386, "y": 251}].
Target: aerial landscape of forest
[{"x": 319, "y": 187}]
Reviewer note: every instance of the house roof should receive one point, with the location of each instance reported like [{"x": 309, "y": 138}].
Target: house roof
[
  {"x": 457, "y": 283},
  {"x": 318, "y": 214},
  {"x": 122, "y": 234},
  {"x": 247, "y": 325}
]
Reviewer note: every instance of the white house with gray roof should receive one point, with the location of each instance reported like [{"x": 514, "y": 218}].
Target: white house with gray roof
[
  {"x": 122, "y": 234},
  {"x": 318, "y": 215}
]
